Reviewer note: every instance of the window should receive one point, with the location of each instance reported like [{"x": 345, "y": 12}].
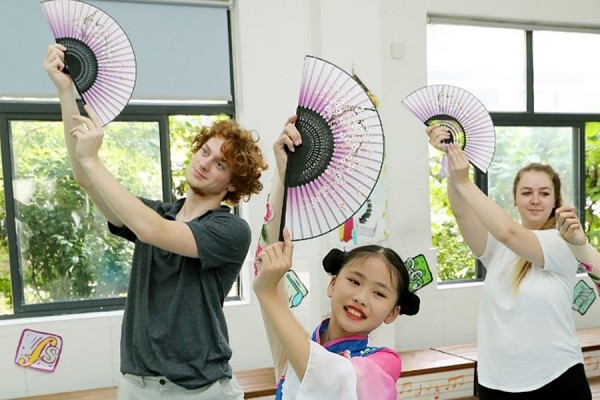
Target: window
[
  {"x": 56, "y": 255},
  {"x": 462, "y": 56},
  {"x": 566, "y": 72},
  {"x": 65, "y": 252},
  {"x": 56, "y": 252},
  {"x": 544, "y": 103}
]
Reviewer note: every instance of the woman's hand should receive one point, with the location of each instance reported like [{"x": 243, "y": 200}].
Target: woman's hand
[
  {"x": 290, "y": 138},
  {"x": 437, "y": 136},
  {"x": 274, "y": 261},
  {"x": 89, "y": 135},
  {"x": 569, "y": 226},
  {"x": 54, "y": 64},
  {"x": 458, "y": 164}
]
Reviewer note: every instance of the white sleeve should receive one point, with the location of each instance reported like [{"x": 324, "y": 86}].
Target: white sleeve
[
  {"x": 488, "y": 252},
  {"x": 328, "y": 376},
  {"x": 557, "y": 256}
]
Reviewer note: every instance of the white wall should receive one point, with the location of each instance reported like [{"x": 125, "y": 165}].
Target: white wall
[{"x": 271, "y": 39}]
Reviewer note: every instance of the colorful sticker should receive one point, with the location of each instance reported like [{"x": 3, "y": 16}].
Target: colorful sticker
[
  {"x": 585, "y": 267},
  {"x": 418, "y": 271},
  {"x": 39, "y": 350},
  {"x": 295, "y": 289},
  {"x": 583, "y": 297}
]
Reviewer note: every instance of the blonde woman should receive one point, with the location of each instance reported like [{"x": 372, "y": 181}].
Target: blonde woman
[{"x": 527, "y": 345}]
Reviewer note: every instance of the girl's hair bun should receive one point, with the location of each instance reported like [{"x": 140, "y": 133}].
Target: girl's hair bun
[
  {"x": 410, "y": 303},
  {"x": 334, "y": 261}
]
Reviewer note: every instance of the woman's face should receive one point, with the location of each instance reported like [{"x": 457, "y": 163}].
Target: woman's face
[
  {"x": 535, "y": 199},
  {"x": 363, "y": 296}
]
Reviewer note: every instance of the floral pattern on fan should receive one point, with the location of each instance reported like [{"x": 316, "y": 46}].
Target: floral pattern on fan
[
  {"x": 463, "y": 115},
  {"x": 331, "y": 175},
  {"x": 99, "y": 56}
]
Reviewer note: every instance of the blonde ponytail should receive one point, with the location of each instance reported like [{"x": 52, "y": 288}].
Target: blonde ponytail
[
  {"x": 549, "y": 224},
  {"x": 526, "y": 265}
]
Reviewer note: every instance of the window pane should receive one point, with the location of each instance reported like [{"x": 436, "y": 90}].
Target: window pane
[
  {"x": 66, "y": 252},
  {"x": 592, "y": 182},
  {"x": 518, "y": 146},
  {"x": 488, "y": 62},
  {"x": 454, "y": 259},
  {"x": 567, "y": 78}
]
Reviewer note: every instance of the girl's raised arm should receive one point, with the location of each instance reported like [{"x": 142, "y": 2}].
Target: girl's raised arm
[{"x": 289, "y": 138}]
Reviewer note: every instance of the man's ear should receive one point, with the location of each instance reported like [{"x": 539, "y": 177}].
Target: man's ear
[
  {"x": 331, "y": 285},
  {"x": 392, "y": 315}
]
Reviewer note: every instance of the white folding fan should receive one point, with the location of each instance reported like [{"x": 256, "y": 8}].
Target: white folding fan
[
  {"x": 463, "y": 115},
  {"x": 331, "y": 175},
  {"x": 99, "y": 56}
]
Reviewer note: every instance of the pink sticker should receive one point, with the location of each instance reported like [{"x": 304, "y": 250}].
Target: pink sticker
[
  {"x": 39, "y": 350},
  {"x": 269, "y": 213}
]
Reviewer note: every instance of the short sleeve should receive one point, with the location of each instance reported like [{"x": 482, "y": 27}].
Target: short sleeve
[
  {"x": 222, "y": 239},
  {"x": 490, "y": 246},
  {"x": 557, "y": 256},
  {"x": 127, "y": 233}
]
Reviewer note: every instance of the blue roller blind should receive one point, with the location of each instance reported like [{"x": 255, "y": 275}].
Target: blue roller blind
[{"x": 182, "y": 50}]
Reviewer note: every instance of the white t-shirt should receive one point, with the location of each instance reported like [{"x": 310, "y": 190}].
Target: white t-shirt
[{"x": 527, "y": 339}]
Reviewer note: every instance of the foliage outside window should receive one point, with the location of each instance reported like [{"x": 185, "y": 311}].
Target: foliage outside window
[
  {"x": 592, "y": 183},
  {"x": 65, "y": 250},
  {"x": 454, "y": 259},
  {"x": 65, "y": 253}
]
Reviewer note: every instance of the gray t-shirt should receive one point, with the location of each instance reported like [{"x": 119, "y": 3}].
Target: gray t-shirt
[{"x": 174, "y": 324}]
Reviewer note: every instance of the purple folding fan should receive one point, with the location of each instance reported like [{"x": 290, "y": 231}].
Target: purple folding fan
[
  {"x": 99, "y": 56},
  {"x": 463, "y": 115},
  {"x": 331, "y": 175}
]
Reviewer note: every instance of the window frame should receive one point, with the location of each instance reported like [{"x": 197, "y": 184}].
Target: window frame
[
  {"x": 50, "y": 111},
  {"x": 529, "y": 118}
]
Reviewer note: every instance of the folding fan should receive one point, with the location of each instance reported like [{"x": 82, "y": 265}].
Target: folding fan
[
  {"x": 99, "y": 56},
  {"x": 333, "y": 172},
  {"x": 463, "y": 115}
]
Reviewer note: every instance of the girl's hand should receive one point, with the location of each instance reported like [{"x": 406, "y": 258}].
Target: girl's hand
[
  {"x": 437, "y": 135},
  {"x": 54, "y": 64},
  {"x": 289, "y": 137},
  {"x": 569, "y": 226},
  {"x": 89, "y": 135},
  {"x": 274, "y": 261},
  {"x": 458, "y": 163}
]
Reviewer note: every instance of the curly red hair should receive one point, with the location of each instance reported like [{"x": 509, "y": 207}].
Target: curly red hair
[{"x": 242, "y": 155}]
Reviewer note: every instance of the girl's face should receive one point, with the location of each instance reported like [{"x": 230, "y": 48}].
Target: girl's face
[
  {"x": 535, "y": 199},
  {"x": 363, "y": 296}
]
